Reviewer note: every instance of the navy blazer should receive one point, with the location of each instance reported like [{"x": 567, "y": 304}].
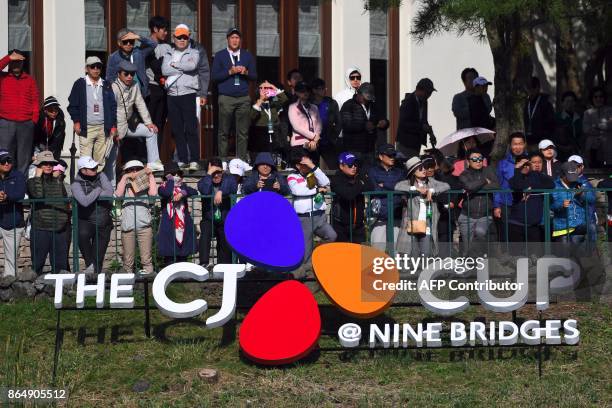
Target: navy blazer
[{"x": 77, "y": 105}]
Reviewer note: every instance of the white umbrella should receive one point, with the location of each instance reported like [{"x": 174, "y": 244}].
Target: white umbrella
[{"x": 450, "y": 143}]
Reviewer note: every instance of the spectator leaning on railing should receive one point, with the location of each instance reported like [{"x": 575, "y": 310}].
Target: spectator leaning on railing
[
  {"x": 12, "y": 191},
  {"x": 221, "y": 186},
  {"x": 176, "y": 238},
  {"x": 570, "y": 205},
  {"x": 136, "y": 186},
  {"x": 475, "y": 219},
  {"x": 95, "y": 222},
  {"x": 49, "y": 218},
  {"x": 265, "y": 177}
]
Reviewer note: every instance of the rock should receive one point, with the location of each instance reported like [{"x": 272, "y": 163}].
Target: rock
[
  {"x": 6, "y": 281},
  {"x": 40, "y": 283},
  {"x": 208, "y": 375},
  {"x": 23, "y": 290},
  {"x": 27, "y": 275},
  {"x": 141, "y": 386},
  {"x": 6, "y": 295},
  {"x": 41, "y": 296}
]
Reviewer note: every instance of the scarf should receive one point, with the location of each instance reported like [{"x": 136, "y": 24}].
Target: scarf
[{"x": 177, "y": 211}]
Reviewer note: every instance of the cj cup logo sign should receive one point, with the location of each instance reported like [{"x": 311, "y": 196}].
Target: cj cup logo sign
[{"x": 284, "y": 325}]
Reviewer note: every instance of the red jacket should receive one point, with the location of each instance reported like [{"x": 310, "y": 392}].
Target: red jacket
[{"x": 18, "y": 96}]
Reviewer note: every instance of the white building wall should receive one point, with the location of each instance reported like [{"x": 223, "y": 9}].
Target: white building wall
[
  {"x": 64, "y": 52},
  {"x": 441, "y": 59},
  {"x": 350, "y": 41},
  {"x": 4, "y": 29}
]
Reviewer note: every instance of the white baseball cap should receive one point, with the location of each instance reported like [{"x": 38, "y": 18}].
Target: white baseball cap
[
  {"x": 576, "y": 159},
  {"x": 545, "y": 143},
  {"x": 239, "y": 167},
  {"x": 481, "y": 81},
  {"x": 86, "y": 162},
  {"x": 133, "y": 163}
]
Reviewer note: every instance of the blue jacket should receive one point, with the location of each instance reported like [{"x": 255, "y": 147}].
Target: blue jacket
[
  {"x": 11, "y": 210},
  {"x": 228, "y": 187},
  {"x": 222, "y": 63},
  {"x": 587, "y": 185},
  {"x": 389, "y": 178},
  {"x": 505, "y": 171},
  {"x": 250, "y": 183},
  {"x": 575, "y": 214},
  {"x": 77, "y": 105},
  {"x": 166, "y": 240},
  {"x": 139, "y": 56}
]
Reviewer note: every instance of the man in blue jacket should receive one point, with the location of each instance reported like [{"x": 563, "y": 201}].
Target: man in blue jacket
[
  {"x": 127, "y": 51},
  {"x": 515, "y": 158},
  {"x": 214, "y": 210},
  {"x": 12, "y": 190},
  {"x": 384, "y": 177},
  {"x": 232, "y": 70},
  {"x": 570, "y": 205},
  {"x": 93, "y": 110}
]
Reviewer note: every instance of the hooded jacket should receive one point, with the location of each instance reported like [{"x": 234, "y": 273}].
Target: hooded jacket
[
  {"x": 347, "y": 93},
  {"x": 182, "y": 76},
  {"x": 127, "y": 98},
  {"x": 11, "y": 210},
  {"x": 574, "y": 215},
  {"x": 54, "y": 141},
  {"x": 528, "y": 209},
  {"x": 477, "y": 203},
  {"x": 250, "y": 184}
]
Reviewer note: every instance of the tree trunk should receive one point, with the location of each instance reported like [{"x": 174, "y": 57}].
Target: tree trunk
[
  {"x": 510, "y": 44},
  {"x": 568, "y": 77}
]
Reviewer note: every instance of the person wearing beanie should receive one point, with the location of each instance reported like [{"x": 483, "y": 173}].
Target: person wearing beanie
[
  {"x": 19, "y": 109},
  {"x": 232, "y": 70},
  {"x": 419, "y": 231},
  {"x": 265, "y": 177},
  {"x": 50, "y": 131}
]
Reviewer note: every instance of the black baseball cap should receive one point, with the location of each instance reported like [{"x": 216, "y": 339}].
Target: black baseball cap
[
  {"x": 387, "y": 149},
  {"x": 426, "y": 84},
  {"x": 233, "y": 30}
]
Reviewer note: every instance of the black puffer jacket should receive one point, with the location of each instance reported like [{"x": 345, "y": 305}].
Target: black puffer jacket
[
  {"x": 476, "y": 203},
  {"x": 356, "y": 136},
  {"x": 349, "y": 201}
]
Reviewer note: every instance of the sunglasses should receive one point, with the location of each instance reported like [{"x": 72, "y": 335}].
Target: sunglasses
[
  {"x": 182, "y": 38},
  {"x": 420, "y": 168},
  {"x": 350, "y": 166},
  {"x": 133, "y": 169},
  {"x": 128, "y": 73},
  {"x": 355, "y": 77},
  {"x": 47, "y": 164},
  {"x": 95, "y": 66},
  {"x": 130, "y": 42},
  {"x": 7, "y": 160},
  {"x": 477, "y": 159}
]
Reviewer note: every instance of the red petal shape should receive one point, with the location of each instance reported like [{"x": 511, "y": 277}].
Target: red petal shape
[{"x": 283, "y": 326}]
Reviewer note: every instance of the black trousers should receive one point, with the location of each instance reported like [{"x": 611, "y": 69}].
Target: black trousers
[
  {"x": 357, "y": 235},
  {"x": 184, "y": 124},
  {"x": 517, "y": 233},
  {"x": 158, "y": 109},
  {"x": 93, "y": 242},
  {"x": 48, "y": 243},
  {"x": 224, "y": 254}
]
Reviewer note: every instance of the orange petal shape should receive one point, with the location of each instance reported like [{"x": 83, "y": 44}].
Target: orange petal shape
[{"x": 346, "y": 275}]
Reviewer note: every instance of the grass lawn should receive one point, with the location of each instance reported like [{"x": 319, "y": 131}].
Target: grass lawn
[{"x": 104, "y": 354}]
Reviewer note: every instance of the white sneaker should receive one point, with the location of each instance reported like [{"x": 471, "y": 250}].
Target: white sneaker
[
  {"x": 182, "y": 165},
  {"x": 194, "y": 166},
  {"x": 157, "y": 166}
]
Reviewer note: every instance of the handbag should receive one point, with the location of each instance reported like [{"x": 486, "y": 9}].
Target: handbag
[{"x": 416, "y": 227}]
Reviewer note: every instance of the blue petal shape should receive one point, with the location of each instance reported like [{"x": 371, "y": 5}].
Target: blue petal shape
[{"x": 263, "y": 229}]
